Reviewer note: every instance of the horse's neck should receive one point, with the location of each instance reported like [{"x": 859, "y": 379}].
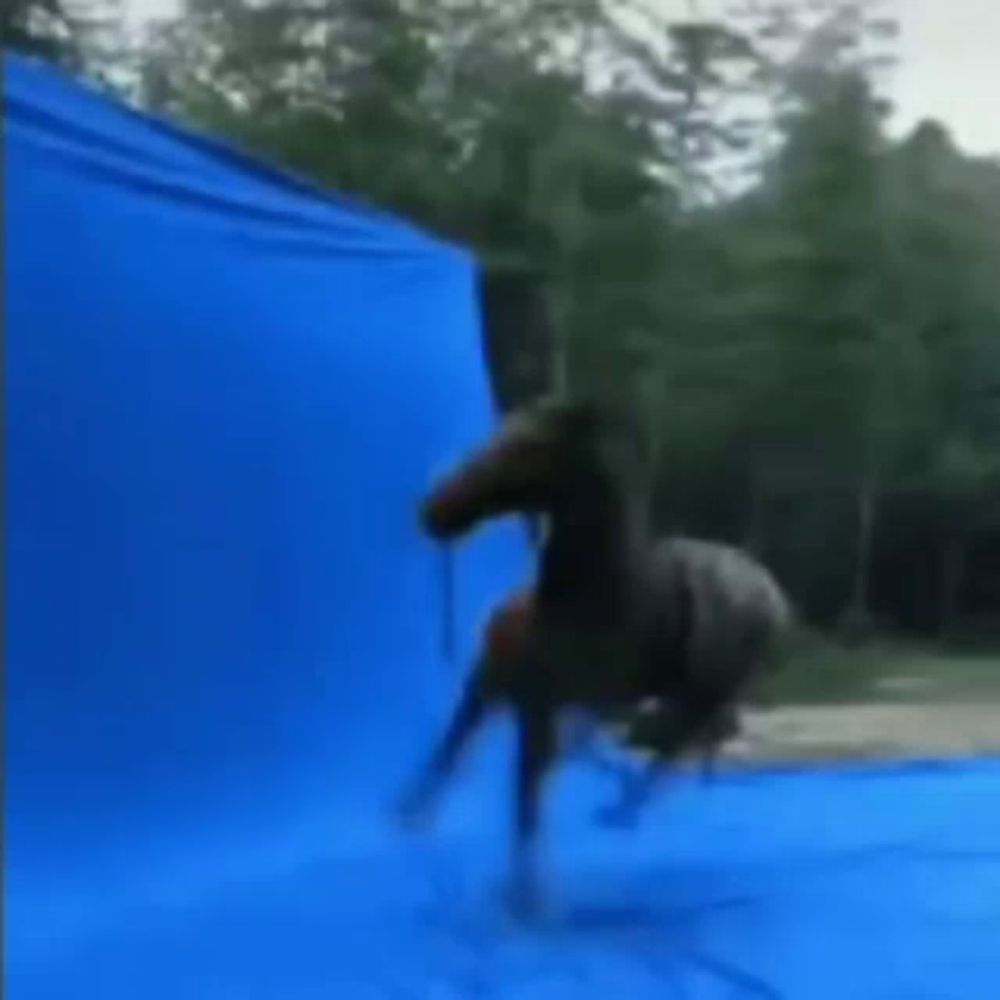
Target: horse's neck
[{"x": 588, "y": 564}]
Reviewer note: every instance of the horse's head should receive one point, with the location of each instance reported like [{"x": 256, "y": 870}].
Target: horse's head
[{"x": 523, "y": 468}]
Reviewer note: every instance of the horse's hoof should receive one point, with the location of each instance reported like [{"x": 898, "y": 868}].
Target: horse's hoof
[{"x": 617, "y": 817}]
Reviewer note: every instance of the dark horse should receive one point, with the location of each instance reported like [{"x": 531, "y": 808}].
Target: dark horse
[
  {"x": 647, "y": 728},
  {"x": 619, "y": 617}
]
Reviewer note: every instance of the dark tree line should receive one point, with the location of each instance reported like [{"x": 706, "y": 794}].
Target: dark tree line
[{"x": 704, "y": 218}]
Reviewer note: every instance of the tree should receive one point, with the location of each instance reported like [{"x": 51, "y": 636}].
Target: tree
[
  {"x": 480, "y": 120},
  {"x": 703, "y": 219},
  {"x": 40, "y": 28},
  {"x": 84, "y": 37},
  {"x": 945, "y": 209}
]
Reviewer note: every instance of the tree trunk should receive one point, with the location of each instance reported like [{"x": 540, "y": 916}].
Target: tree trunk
[
  {"x": 952, "y": 581},
  {"x": 560, "y": 364},
  {"x": 858, "y": 611},
  {"x": 753, "y": 527},
  {"x": 559, "y": 310}
]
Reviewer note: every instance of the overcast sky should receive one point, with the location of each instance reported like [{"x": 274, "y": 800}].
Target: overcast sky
[
  {"x": 947, "y": 53},
  {"x": 949, "y": 68},
  {"x": 948, "y": 49}
]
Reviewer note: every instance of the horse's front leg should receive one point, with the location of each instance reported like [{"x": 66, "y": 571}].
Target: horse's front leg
[
  {"x": 536, "y": 749},
  {"x": 417, "y": 804}
]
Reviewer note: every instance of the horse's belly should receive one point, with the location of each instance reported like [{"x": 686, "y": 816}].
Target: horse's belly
[{"x": 590, "y": 668}]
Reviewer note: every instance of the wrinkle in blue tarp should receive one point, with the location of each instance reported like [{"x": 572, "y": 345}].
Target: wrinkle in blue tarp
[{"x": 224, "y": 393}]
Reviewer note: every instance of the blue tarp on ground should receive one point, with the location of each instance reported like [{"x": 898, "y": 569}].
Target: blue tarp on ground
[{"x": 224, "y": 393}]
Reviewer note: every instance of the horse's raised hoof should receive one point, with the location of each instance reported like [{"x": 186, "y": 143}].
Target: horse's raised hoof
[{"x": 617, "y": 817}]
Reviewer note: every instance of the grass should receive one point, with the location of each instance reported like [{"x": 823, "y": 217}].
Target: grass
[{"x": 823, "y": 672}]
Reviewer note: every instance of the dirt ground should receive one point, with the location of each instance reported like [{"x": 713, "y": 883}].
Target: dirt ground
[
  {"x": 860, "y": 731},
  {"x": 882, "y": 702}
]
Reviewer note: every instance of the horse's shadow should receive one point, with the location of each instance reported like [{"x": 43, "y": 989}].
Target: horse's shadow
[
  {"x": 669, "y": 940},
  {"x": 601, "y": 918},
  {"x": 660, "y": 901},
  {"x": 625, "y": 916}
]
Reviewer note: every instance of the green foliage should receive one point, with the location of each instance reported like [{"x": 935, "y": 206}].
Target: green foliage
[
  {"x": 84, "y": 37},
  {"x": 40, "y": 28},
  {"x": 705, "y": 219}
]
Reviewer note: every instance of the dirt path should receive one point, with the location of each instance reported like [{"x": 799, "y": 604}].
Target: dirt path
[{"x": 867, "y": 731}]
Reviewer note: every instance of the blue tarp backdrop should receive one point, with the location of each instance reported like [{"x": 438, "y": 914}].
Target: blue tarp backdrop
[{"x": 224, "y": 393}]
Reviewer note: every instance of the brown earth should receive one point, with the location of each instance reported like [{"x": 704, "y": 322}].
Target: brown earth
[{"x": 886, "y": 730}]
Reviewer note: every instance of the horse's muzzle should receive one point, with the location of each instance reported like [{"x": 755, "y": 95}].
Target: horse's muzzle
[{"x": 438, "y": 521}]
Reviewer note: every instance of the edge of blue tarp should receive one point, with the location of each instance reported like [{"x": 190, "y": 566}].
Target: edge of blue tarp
[
  {"x": 870, "y": 767},
  {"x": 52, "y": 113},
  {"x": 53, "y": 91}
]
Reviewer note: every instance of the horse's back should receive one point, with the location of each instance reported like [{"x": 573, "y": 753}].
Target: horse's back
[{"x": 724, "y": 578}]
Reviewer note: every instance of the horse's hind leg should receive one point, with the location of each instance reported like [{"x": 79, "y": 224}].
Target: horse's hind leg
[
  {"x": 691, "y": 724},
  {"x": 636, "y": 790},
  {"x": 536, "y": 750},
  {"x": 724, "y": 725},
  {"x": 476, "y": 701}
]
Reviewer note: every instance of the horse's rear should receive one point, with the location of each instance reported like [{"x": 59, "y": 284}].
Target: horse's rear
[
  {"x": 739, "y": 613},
  {"x": 718, "y": 617}
]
